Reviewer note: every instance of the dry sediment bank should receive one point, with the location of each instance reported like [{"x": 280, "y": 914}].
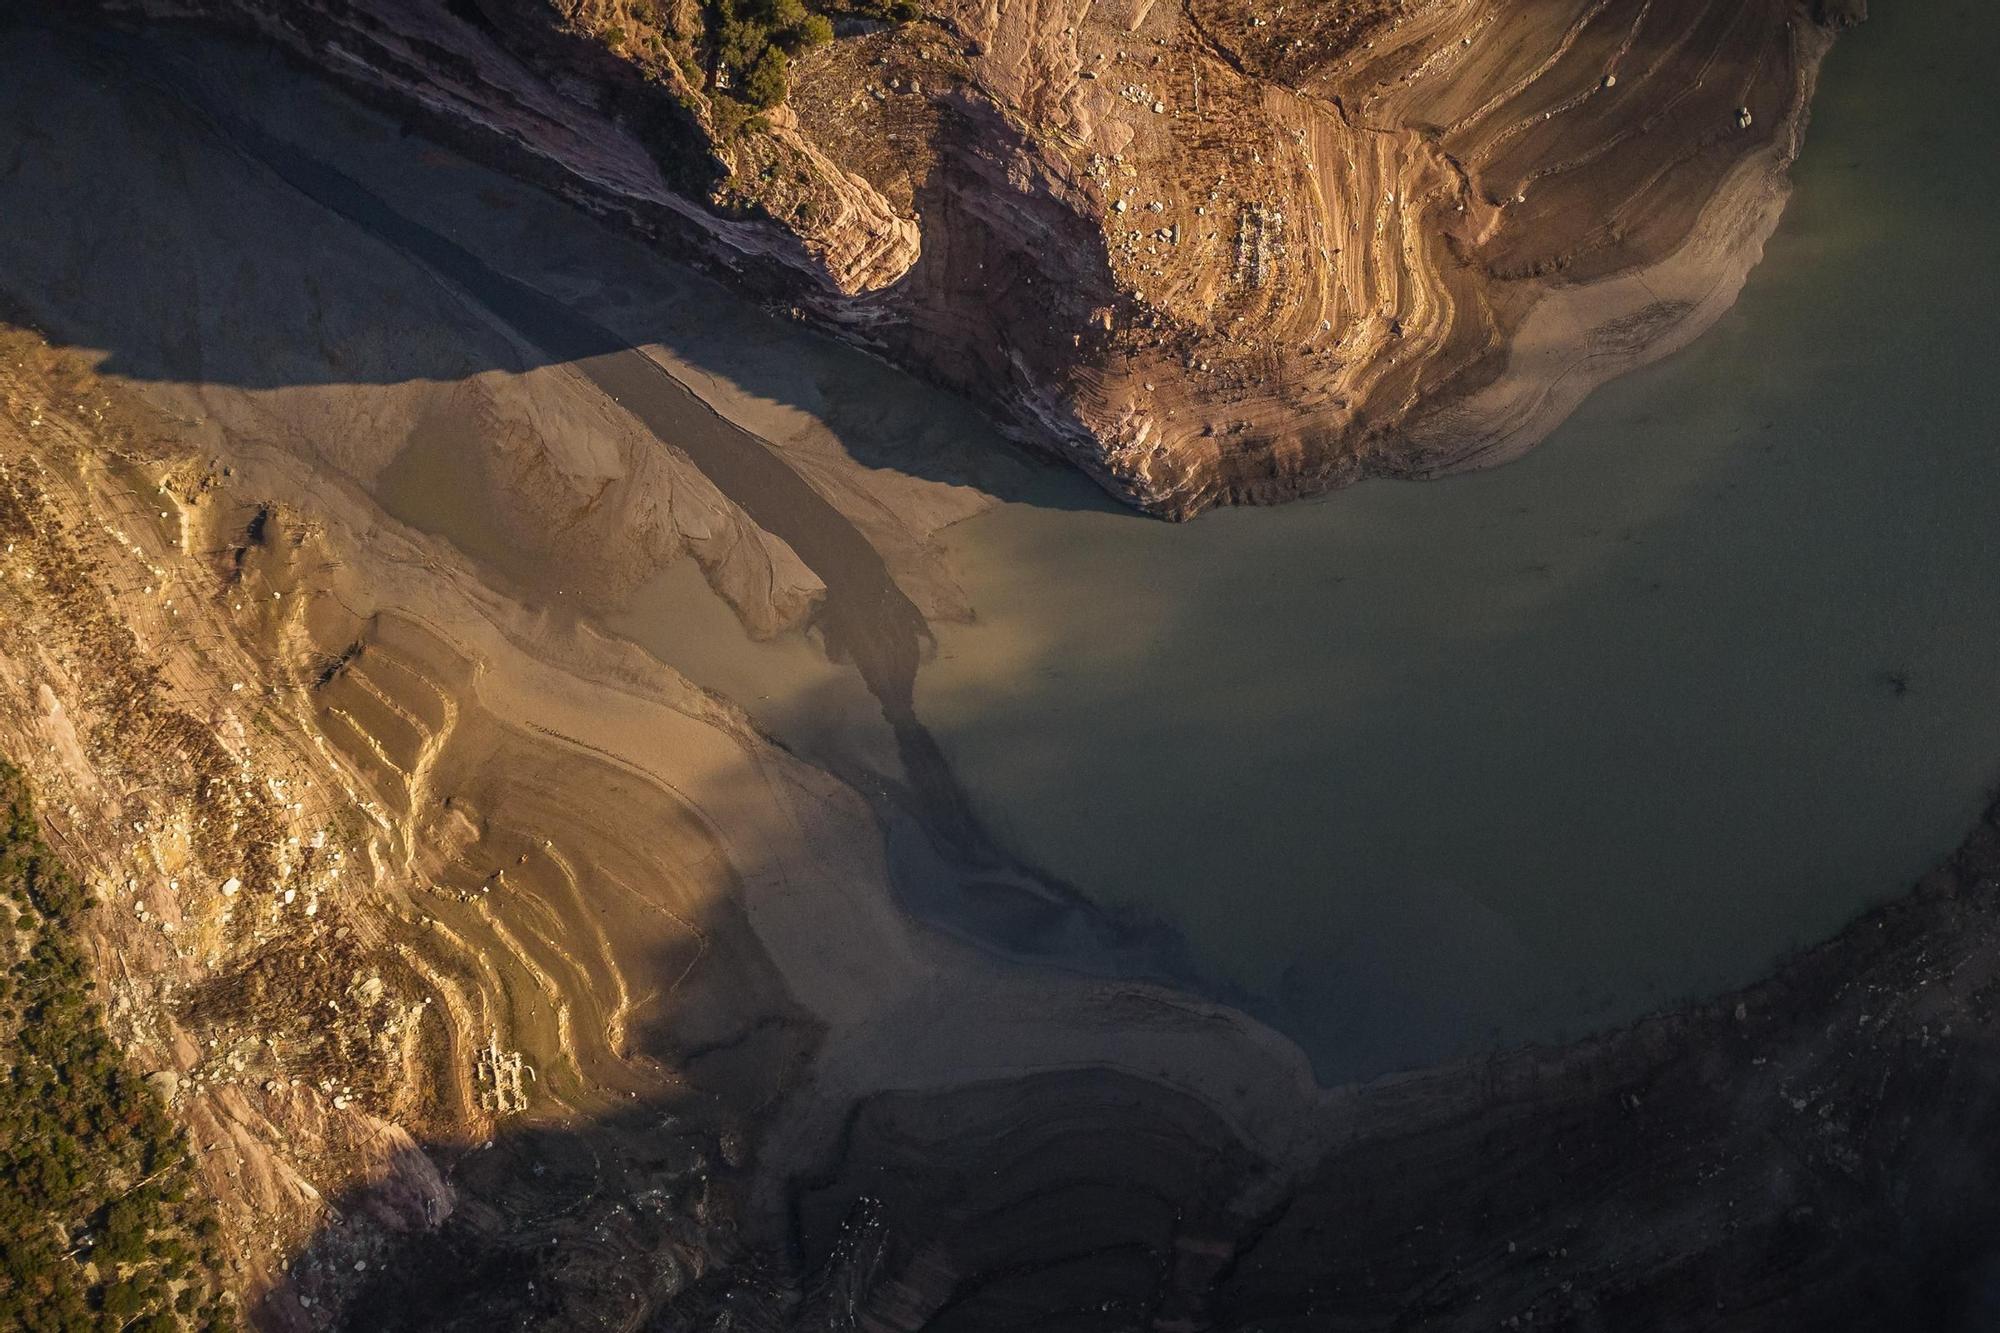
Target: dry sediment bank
[{"x": 509, "y": 832}]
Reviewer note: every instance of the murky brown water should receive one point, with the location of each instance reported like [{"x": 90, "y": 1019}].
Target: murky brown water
[
  {"x": 1424, "y": 766},
  {"x": 1525, "y": 752}
]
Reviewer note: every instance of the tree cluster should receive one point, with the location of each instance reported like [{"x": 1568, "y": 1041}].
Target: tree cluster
[
  {"x": 101, "y": 1224},
  {"x": 756, "y": 39}
]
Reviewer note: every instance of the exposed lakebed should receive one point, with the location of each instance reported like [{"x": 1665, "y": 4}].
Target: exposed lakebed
[
  {"x": 1424, "y": 767},
  {"x": 1528, "y": 752}
]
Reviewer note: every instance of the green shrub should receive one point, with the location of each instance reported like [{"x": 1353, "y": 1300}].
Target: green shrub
[
  {"x": 814, "y": 30},
  {"x": 753, "y": 38},
  {"x": 767, "y": 81}
]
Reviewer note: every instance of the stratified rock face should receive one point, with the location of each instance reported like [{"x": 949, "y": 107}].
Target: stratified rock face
[
  {"x": 1313, "y": 223},
  {"x": 1213, "y": 252}
]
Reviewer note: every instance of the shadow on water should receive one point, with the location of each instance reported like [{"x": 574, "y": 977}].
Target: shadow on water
[
  {"x": 191, "y": 88},
  {"x": 163, "y": 326},
  {"x": 1627, "y": 1186}
]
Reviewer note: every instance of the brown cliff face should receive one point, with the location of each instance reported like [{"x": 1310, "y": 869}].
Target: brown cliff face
[
  {"x": 1210, "y": 253},
  {"x": 1321, "y": 224}
]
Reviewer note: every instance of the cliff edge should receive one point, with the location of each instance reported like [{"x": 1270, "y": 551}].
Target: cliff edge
[{"x": 1211, "y": 253}]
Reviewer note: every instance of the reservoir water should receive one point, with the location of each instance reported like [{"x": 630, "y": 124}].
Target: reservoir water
[
  {"x": 1419, "y": 768},
  {"x": 1429, "y": 767},
  {"x": 1522, "y": 753}
]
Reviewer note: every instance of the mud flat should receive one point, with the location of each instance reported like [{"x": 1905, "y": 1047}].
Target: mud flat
[
  {"x": 549, "y": 853},
  {"x": 497, "y": 836}
]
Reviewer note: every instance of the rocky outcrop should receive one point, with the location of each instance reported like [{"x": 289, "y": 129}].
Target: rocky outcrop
[
  {"x": 1210, "y": 253},
  {"x": 523, "y": 83}
]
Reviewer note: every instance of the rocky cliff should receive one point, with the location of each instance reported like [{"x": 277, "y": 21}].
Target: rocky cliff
[{"x": 1211, "y": 252}]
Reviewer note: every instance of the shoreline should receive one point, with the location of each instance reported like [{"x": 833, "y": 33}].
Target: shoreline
[
  {"x": 517, "y": 769},
  {"x": 1088, "y": 412},
  {"x": 1578, "y": 339}
]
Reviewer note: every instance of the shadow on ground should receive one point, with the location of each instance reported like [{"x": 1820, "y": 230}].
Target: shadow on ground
[
  {"x": 1813, "y": 1152},
  {"x": 198, "y": 210}
]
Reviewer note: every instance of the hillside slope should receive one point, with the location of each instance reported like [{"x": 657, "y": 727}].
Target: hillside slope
[{"x": 1209, "y": 253}]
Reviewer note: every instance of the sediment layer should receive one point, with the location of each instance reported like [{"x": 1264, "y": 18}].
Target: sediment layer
[
  {"x": 1210, "y": 255},
  {"x": 369, "y": 829},
  {"x": 365, "y": 832}
]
